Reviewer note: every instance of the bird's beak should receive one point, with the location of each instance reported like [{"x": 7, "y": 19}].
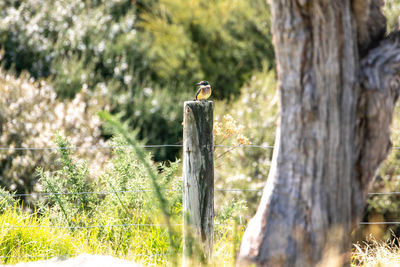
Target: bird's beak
[{"x": 198, "y": 83}]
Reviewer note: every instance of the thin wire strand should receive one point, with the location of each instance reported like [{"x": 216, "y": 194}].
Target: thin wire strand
[
  {"x": 85, "y": 227},
  {"x": 237, "y": 190},
  {"x": 379, "y": 223},
  {"x": 38, "y": 256},
  {"x": 384, "y": 193},
  {"x": 142, "y": 146},
  {"x": 115, "y": 147},
  {"x": 73, "y": 255},
  {"x": 235, "y": 146},
  {"x": 144, "y": 225},
  {"x": 84, "y": 147},
  {"x": 73, "y": 193}
]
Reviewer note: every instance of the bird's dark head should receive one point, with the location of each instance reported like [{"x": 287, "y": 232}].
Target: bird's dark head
[{"x": 205, "y": 83}]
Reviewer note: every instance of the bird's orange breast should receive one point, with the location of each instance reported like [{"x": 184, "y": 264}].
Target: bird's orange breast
[{"x": 205, "y": 93}]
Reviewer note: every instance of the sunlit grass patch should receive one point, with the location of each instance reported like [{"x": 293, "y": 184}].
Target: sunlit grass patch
[
  {"x": 376, "y": 253},
  {"x": 24, "y": 234},
  {"x": 27, "y": 237}
]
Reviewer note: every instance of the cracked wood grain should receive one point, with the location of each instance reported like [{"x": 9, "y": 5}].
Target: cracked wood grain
[
  {"x": 198, "y": 180},
  {"x": 333, "y": 131}
]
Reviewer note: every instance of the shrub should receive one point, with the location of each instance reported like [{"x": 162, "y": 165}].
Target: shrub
[
  {"x": 31, "y": 115},
  {"x": 61, "y": 185},
  {"x": 129, "y": 195},
  {"x": 135, "y": 198},
  {"x": 78, "y": 42}
]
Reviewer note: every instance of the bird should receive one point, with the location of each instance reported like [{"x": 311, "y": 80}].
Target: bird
[{"x": 204, "y": 91}]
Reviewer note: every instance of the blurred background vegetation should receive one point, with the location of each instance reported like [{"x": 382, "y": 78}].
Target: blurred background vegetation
[
  {"x": 63, "y": 61},
  {"x": 139, "y": 59},
  {"x": 146, "y": 55}
]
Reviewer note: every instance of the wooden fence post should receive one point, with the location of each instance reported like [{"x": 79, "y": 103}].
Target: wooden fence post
[{"x": 198, "y": 181}]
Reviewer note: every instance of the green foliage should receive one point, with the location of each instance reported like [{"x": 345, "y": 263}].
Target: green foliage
[
  {"x": 157, "y": 116},
  {"x": 222, "y": 41},
  {"x": 176, "y": 42},
  {"x": 231, "y": 210},
  {"x": 71, "y": 178},
  {"x": 7, "y": 200},
  {"x": 128, "y": 177}
]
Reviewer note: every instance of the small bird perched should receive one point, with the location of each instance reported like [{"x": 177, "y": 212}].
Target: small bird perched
[{"x": 204, "y": 91}]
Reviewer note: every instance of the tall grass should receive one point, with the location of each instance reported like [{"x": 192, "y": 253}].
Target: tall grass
[{"x": 37, "y": 237}]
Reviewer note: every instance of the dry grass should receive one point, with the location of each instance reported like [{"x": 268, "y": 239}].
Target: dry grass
[{"x": 376, "y": 253}]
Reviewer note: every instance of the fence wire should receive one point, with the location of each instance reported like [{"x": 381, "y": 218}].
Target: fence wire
[
  {"x": 234, "y": 190},
  {"x": 85, "y": 147},
  {"x": 88, "y": 226},
  {"x": 106, "y": 225},
  {"x": 73, "y": 255},
  {"x": 38, "y": 256},
  {"x": 144, "y": 225},
  {"x": 380, "y": 223},
  {"x": 128, "y": 147},
  {"x": 75, "y": 193}
]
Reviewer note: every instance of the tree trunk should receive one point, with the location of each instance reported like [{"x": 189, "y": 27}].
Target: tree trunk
[{"x": 333, "y": 132}]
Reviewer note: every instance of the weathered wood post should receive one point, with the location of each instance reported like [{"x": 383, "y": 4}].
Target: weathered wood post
[{"x": 198, "y": 181}]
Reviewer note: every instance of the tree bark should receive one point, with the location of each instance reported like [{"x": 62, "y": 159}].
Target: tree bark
[{"x": 333, "y": 132}]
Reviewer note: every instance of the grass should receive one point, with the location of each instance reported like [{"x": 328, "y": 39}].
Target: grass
[
  {"x": 143, "y": 244},
  {"x": 376, "y": 253},
  {"x": 40, "y": 238}
]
